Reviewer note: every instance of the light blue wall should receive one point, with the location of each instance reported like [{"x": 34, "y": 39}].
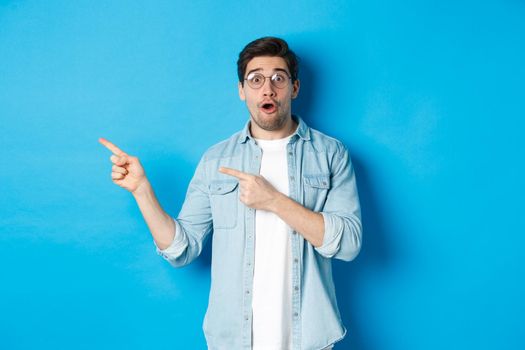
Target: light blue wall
[{"x": 429, "y": 97}]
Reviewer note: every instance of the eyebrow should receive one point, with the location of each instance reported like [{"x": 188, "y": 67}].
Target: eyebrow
[{"x": 275, "y": 70}]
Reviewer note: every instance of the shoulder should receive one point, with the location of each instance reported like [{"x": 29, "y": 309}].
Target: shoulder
[{"x": 322, "y": 143}]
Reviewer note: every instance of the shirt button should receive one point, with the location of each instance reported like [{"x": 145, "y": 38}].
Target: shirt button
[
  {"x": 246, "y": 318},
  {"x": 294, "y": 232},
  {"x": 296, "y": 288},
  {"x": 296, "y": 314},
  {"x": 247, "y": 292},
  {"x": 296, "y": 260},
  {"x": 292, "y": 178},
  {"x": 290, "y": 153}
]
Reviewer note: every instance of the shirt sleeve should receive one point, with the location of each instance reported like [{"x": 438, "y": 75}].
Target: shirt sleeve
[
  {"x": 193, "y": 224},
  {"x": 177, "y": 246},
  {"x": 342, "y": 212}
]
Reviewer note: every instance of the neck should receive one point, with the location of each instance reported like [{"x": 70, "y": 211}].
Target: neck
[{"x": 287, "y": 129}]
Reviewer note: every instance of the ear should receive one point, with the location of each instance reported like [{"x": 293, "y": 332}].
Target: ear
[
  {"x": 241, "y": 92},
  {"x": 295, "y": 88}
]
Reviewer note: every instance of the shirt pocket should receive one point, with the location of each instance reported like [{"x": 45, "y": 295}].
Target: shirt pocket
[
  {"x": 224, "y": 201},
  {"x": 316, "y": 189}
]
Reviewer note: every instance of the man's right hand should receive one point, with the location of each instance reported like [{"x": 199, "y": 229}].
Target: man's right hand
[{"x": 127, "y": 172}]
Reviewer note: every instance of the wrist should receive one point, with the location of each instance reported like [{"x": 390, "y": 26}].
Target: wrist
[
  {"x": 277, "y": 203},
  {"x": 142, "y": 189}
]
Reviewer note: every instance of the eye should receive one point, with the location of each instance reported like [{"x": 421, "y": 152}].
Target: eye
[
  {"x": 255, "y": 78},
  {"x": 278, "y": 78}
]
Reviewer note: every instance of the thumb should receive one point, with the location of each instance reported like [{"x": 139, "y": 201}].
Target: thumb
[{"x": 122, "y": 160}]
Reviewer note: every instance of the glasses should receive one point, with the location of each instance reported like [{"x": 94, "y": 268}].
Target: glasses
[{"x": 257, "y": 80}]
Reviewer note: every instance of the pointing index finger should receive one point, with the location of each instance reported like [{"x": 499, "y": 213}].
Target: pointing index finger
[
  {"x": 233, "y": 172},
  {"x": 114, "y": 149}
]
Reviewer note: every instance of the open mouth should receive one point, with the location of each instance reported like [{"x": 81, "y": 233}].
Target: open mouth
[{"x": 268, "y": 107}]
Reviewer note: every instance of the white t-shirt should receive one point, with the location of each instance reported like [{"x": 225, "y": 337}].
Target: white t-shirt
[{"x": 272, "y": 285}]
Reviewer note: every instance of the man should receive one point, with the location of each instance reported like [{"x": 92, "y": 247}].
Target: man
[{"x": 280, "y": 200}]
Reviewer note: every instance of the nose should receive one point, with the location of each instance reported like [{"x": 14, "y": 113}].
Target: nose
[{"x": 268, "y": 89}]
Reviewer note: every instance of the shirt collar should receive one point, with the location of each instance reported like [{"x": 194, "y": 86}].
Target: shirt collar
[{"x": 302, "y": 131}]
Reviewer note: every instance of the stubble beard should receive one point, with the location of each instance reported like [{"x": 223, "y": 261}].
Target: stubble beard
[{"x": 270, "y": 123}]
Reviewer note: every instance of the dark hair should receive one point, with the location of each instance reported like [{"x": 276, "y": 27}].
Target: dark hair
[{"x": 267, "y": 46}]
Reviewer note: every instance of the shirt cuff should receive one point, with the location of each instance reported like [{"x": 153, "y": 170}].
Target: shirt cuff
[
  {"x": 333, "y": 230},
  {"x": 177, "y": 246}
]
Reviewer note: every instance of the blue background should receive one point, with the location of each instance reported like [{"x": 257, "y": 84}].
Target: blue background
[{"x": 429, "y": 97}]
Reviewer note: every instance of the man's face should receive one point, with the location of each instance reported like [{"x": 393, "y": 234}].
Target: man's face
[{"x": 270, "y": 107}]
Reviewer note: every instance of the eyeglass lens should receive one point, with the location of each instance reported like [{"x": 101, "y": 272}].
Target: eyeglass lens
[{"x": 256, "y": 80}]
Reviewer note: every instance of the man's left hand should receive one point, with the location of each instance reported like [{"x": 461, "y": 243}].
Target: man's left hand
[{"x": 256, "y": 191}]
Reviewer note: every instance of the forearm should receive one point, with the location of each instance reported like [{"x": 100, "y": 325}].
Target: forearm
[
  {"x": 306, "y": 222},
  {"x": 160, "y": 224}
]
